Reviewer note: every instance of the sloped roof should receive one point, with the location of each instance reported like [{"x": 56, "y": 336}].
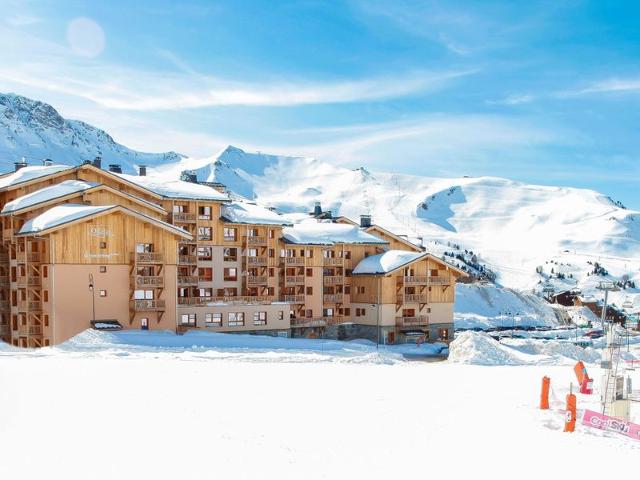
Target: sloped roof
[
  {"x": 328, "y": 233},
  {"x": 251, "y": 213},
  {"x": 46, "y": 194},
  {"x": 31, "y": 172},
  {"x": 392, "y": 260},
  {"x": 178, "y": 189}
]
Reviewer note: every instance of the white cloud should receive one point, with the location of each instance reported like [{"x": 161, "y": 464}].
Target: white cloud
[{"x": 612, "y": 85}]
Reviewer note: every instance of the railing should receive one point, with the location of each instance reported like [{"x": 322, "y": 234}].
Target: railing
[
  {"x": 334, "y": 320},
  {"x": 149, "y": 281},
  {"x": 205, "y": 279},
  {"x": 332, "y": 298},
  {"x": 29, "y": 329},
  {"x": 149, "y": 257},
  {"x": 4, "y": 257},
  {"x": 4, "y": 281},
  {"x": 335, "y": 261},
  {"x": 31, "y": 257},
  {"x": 293, "y": 260},
  {"x": 257, "y": 279},
  {"x": 141, "y": 305},
  {"x": 185, "y": 280},
  {"x": 29, "y": 281},
  {"x": 294, "y": 279},
  {"x": 4, "y": 305},
  {"x": 439, "y": 280},
  {"x": 249, "y": 240},
  {"x": 29, "y": 305},
  {"x": 187, "y": 260},
  {"x": 260, "y": 261},
  {"x": 411, "y": 298},
  {"x": 7, "y": 233},
  {"x": 183, "y": 217},
  {"x": 416, "y": 279},
  {"x": 420, "y": 320},
  {"x": 333, "y": 280},
  {"x": 308, "y": 322},
  {"x": 293, "y": 298},
  {"x": 228, "y": 238},
  {"x": 5, "y": 330},
  {"x": 200, "y": 301}
]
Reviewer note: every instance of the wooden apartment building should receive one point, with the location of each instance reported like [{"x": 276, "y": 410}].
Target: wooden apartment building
[{"x": 87, "y": 247}]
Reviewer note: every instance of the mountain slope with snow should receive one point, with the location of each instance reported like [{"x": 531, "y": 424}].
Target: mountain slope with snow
[{"x": 35, "y": 130}]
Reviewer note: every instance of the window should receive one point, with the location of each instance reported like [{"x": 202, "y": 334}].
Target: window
[
  {"x": 204, "y": 233},
  {"x": 230, "y": 254},
  {"x": 309, "y": 272},
  {"x": 229, "y": 234},
  {"x": 236, "y": 319},
  {"x": 309, "y": 253},
  {"x": 46, "y": 320},
  {"x": 188, "y": 319},
  {"x": 347, "y": 289},
  {"x": 103, "y": 244},
  {"x": 308, "y": 313},
  {"x": 359, "y": 290},
  {"x": 45, "y": 296},
  {"x": 204, "y": 253},
  {"x": 272, "y": 253},
  {"x": 213, "y": 319},
  {"x": 309, "y": 290},
  {"x": 204, "y": 213},
  {"x": 347, "y": 312},
  {"x": 281, "y": 315},
  {"x": 347, "y": 254},
  {"x": 144, "y": 248},
  {"x": 103, "y": 269},
  {"x": 103, "y": 293},
  {"x": 252, "y": 232},
  {"x": 45, "y": 271},
  {"x": 205, "y": 274},
  {"x": 272, "y": 272},
  {"x": 230, "y": 274},
  {"x": 259, "y": 318},
  {"x": 327, "y": 312},
  {"x": 179, "y": 209},
  {"x": 143, "y": 294},
  {"x": 252, "y": 252}
]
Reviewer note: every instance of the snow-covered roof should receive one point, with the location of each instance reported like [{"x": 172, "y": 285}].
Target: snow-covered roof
[
  {"x": 60, "y": 215},
  {"x": 251, "y": 213},
  {"x": 176, "y": 188},
  {"x": 58, "y": 190},
  {"x": 327, "y": 233},
  {"x": 70, "y": 212},
  {"x": 26, "y": 174},
  {"x": 386, "y": 262}
]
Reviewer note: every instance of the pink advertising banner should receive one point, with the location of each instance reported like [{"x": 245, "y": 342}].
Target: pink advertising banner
[{"x": 605, "y": 422}]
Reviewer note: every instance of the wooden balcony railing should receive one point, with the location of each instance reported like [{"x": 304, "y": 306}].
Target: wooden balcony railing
[
  {"x": 439, "y": 280},
  {"x": 186, "y": 280},
  {"x": 249, "y": 240},
  {"x": 411, "y": 298},
  {"x": 7, "y": 234},
  {"x": 4, "y": 257},
  {"x": 5, "y": 330},
  {"x": 308, "y": 322},
  {"x": 183, "y": 217},
  {"x": 4, "y": 281},
  {"x": 416, "y": 279},
  {"x": 30, "y": 306},
  {"x": 333, "y": 298},
  {"x": 149, "y": 257},
  {"x": 294, "y": 279},
  {"x": 29, "y": 330},
  {"x": 187, "y": 259},
  {"x": 4, "y": 305},
  {"x": 29, "y": 281},
  {"x": 149, "y": 281},
  {"x": 28, "y": 257},
  {"x": 200, "y": 301},
  {"x": 141, "y": 305},
  {"x": 257, "y": 279},
  {"x": 333, "y": 280},
  {"x": 258, "y": 261},
  {"x": 419, "y": 321},
  {"x": 333, "y": 261},
  {"x": 293, "y": 260},
  {"x": 293, "y": 298}
]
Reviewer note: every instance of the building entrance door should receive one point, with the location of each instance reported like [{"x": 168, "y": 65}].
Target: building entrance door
[{"x": 144, "y": 323}]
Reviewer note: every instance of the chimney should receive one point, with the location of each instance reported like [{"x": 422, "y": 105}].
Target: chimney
[
  {"x": 142, "y": 170},
  {"x": 87, "y": 162},
  {"x": 21, "y": 164},
  {"x": 47, "y": 162},
  {"x": 365, "y": 221},
  {"x": 317, "y": 209},
  {"x": 189, "y": 176},
  {"x": 115, "y": 168},
  {"x": 97, "y": 162}
]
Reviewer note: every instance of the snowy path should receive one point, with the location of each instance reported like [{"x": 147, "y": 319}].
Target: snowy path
[{"x": 138, "y": 416}]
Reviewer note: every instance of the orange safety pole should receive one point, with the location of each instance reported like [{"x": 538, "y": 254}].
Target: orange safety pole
[
  {"x": 570, "y": 421},
  {"x": 544, "y": 394}
]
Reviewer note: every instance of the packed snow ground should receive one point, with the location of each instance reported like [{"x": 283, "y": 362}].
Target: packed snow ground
[{"x": 106, "y": 406}]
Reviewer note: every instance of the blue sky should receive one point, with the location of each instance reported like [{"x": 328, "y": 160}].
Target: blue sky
[{"x": 544, "y": 92}]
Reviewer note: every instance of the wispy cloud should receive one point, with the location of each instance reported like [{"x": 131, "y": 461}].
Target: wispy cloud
[
  {"x": 514, "y": 99},
  {"x": 611, "y": 85}
]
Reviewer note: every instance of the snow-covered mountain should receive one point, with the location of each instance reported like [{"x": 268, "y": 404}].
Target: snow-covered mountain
[{"x": 35, "y": 130}]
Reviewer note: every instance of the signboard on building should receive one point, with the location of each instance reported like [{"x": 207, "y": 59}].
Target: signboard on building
[{"x": 604, "y": 422}]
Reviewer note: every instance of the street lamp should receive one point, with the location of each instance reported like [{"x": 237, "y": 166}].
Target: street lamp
[{"x": 93, "y": 297}]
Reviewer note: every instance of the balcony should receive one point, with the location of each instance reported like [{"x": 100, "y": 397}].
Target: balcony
[
  {"x": 188, "y": 280},
  {"x": 149, "y": 258},
  {"x": 24, "y": 330},
  {"x": 255, "y": 241},
  {"x": 4, "y": 305},
  {"x": 333, "y": 280},
  {"x": 29, "y": 306},
  {"x": 183, "y": 217},
  {"x": 333, "y": 298},
  {"x": 294, "y": 279},
  {"x": 257, "y": 280},
  {"x": 257, "y": 261},
  {"x": 308, "y": 322},
  {"x": 28, "y": 257},
  {"x": 7, "y": 234},
  {"x": 439, "y": 281},
  {"x": 411, "y": 298},
  {"x": 141, "y": 305},
  {"x": 419, "y": 321},
  {"x": 333, "y": 261},
  {"x": 416, "y": 280},
  {"x": 294, "y": 261},
  {"x": 187, "y": 260},
  {"x": 4, "y": 257},
  {"x": 335, "y": 320},
  {"x": 202, "y": 301},
  {"x": 204, "y": 279},
  {"x": 148, "y": 281},
  {"x": 29, "y": 281},
  {"x": 4, "y": 281},
  {"x": 5, "y": 330},
  {"x": 293, "y": 298}
]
